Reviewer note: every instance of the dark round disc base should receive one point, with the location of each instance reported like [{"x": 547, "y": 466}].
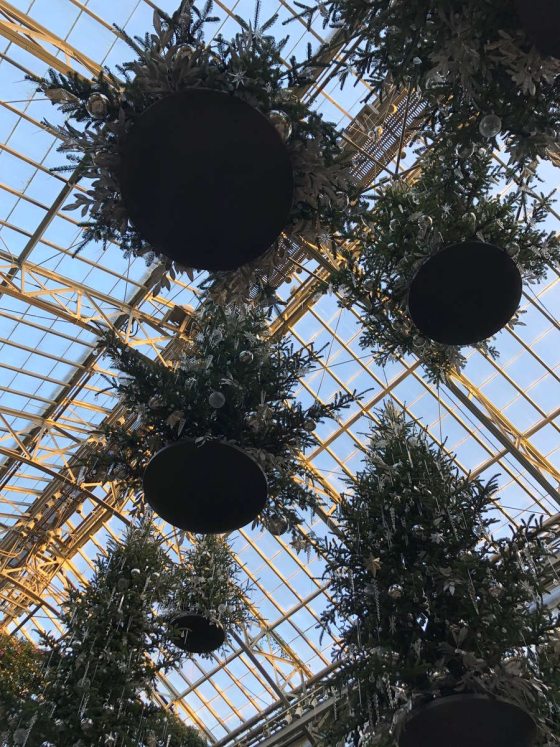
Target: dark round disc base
[
  {"x": 465, "y": 293},
  {"x": 196, "y": 633},
  {"x": 466, "y": 721},
  {"x": 206, "y": 179},
  {"x": 208, "y": 489},
  {"x": 541, "y": 21}
]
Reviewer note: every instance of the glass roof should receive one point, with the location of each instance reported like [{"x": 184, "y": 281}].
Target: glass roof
[{"x": 498, "y": 416}]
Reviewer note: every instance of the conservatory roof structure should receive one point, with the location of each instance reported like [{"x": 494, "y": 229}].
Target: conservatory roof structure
[{"x": 498, "y": 416}]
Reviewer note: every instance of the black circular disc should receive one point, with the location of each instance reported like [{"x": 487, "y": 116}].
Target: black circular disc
[
  {"x": 208, "y": 489},
  {"x": 196, "y": 633},
  {"x": 206, "y": 179},
  {"x": 468, "y": 721},
  {"x": 541, "y": 21},
  {"x": 465, "y": 293}
]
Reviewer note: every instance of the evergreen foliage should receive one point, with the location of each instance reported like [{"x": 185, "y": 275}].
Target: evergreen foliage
[
  {"x": 426, "y": 604},
  {"x": 99, "y": 679},
  {"x": 231, "y": 356},
  {"x": 209, "y": 584},
  {"x": 173, "y": 58},
  {"x": 452, "y": 199},
  {"x": 467, "y": 60}
]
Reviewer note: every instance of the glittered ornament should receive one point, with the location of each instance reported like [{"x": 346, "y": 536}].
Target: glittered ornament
[
  {"x": 216, "y": 400},
  {"x": 490, "y": 126},
  {"x": 97, "y": 105},
  {"x": 282, "y": 123},
  {"x": 395, "y": 591},
  {"x": 246, "y": 356},
  {"x": 277, "y": 525},
  {"x": 309, "y": 425}
]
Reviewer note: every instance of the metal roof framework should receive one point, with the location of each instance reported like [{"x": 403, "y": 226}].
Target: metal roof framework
[{"x": 499, "y": 416}]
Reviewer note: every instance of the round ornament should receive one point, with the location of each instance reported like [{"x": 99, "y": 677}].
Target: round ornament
[
  {"x": 216, "y": 400},
  {"x": 490, "y": 126},
  {"x": 466, "y": 720},
  {"x": 207, "y": 489},
  {"x": 282, "y": 122},
  {"x": 195, "y": 633},
  {"x": 86, "y": 724},
  {"x": 465, "y": 293},
  {"x": 97, "y": 105},
  {"x": 246, "y": 356},
  {"x": 309, "y": 425},
  {"x": 395, "y": 591},
  {"x": 206, "y": 179},
  {"x": 277, "y": 525}
]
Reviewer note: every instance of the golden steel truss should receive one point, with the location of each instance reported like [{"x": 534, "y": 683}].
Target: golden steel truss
[{"x": 498, "y": 416}]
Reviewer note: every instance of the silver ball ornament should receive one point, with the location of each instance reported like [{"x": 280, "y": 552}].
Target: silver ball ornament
[
  {"x": 490, "y": 126},
  {"x": 97, "y": 105},
  {"x": 86, "y": 724},
  {"x": 216, "y": 400},
  {"x": 417, "y": 530},
  {"x": 135, "y": 572},
  {"x": 246, "y": 356},
  {"x": 282, "y": 123},
  {"x": 309, "y": 425},
  {"x": 395, "y": 591}
]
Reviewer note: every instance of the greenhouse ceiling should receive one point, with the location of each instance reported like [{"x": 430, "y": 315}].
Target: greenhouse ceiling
[{"x": 498, "y": 416}]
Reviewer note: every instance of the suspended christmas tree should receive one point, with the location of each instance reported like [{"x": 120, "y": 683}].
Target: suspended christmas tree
[
  {"x": 483, "y": 68},
  {"x": 209, "y": 599},
  {"x": 217, "y": 428},
  {"x": 20, "y": 675},
  {"x": 439, "y": 625},
  {"x": 439, "y": 262},
  {"x": 100, "y": 677},
  {"x": 203, "y": 154}
]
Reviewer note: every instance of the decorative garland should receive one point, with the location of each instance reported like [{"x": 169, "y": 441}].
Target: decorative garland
[
  {"x": 453, "y": 199},
  {"x": 473, "y": 63},
  {"x": 427, "y": 606},
  {"x": 209, "y": 585},
  {"x": 231, "y": 383},
  {"x": 174, "y": 58}
]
